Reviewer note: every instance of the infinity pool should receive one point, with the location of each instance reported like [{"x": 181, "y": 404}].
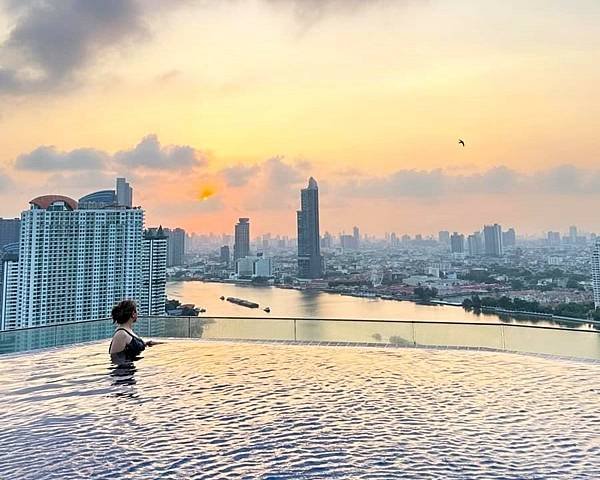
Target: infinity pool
[{"x": 198, "y": 409}]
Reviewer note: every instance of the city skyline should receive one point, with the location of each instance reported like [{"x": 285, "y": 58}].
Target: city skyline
[{"x": 237, "y": 132}]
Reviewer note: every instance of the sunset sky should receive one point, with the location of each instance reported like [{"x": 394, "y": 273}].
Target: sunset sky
[{"x": 219, "y": 109}]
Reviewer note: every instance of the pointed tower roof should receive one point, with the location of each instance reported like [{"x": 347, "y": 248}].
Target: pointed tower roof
[{"x": 312, "y": 184}]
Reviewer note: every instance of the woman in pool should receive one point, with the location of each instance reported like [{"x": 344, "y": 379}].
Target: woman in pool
[{"x": 125, "y": 344}]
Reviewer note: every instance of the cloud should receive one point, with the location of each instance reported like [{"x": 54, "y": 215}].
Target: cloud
[
  {"x": 48, "y": 158},
  {"x": 428, "y": 184},
  {"x": 239, "y": 175},
  {"x": 151, "y": 155},
  {"x": 52, "y": 41}
]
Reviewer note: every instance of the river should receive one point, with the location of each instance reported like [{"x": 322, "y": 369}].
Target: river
[{"x": 306, "y": 304}]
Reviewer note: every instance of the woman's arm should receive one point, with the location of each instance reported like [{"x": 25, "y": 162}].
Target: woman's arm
[{"x": 119, "y": 342}]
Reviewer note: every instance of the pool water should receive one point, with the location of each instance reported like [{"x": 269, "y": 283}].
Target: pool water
[{"x": 198, "y": 409}]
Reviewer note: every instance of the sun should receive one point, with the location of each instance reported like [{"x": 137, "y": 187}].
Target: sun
[{"x": 206, "y": 192}]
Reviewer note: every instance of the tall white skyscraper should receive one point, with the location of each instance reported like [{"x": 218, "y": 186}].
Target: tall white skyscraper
[
  {"x": 124, "y": 193},
  {"x": 74, "y": 265},
  {"x": 154, "y": 272},
  {"x": 596, "y": 273}
]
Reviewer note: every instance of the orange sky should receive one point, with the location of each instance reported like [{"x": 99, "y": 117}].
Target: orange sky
[{"x": 370, "y": 99}]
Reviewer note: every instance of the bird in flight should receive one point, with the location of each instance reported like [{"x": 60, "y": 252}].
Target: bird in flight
[{"x": 461, "y": 142}]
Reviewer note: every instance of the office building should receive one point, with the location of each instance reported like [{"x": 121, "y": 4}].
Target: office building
[
  {"x": 154, "y": 272},
  {"x": 74, "y": 265},
  {"x": 225, "y": 255},
  {"x": 457, "y": 243},
  {"x": 596, "y": 273},
  {"x": 310, "y": 261},
  {"x": 175, "y": 246},
  {"x": 492, "y": 237},
  {"x": 241, "y": 245},
  {"x": 10, "y": 229},
  {"x": 124, "y": 193}
]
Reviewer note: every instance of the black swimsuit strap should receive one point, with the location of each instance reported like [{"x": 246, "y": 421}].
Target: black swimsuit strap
[{"x": 128, "y": 332}]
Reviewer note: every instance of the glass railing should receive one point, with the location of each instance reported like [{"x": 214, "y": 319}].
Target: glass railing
[{"x": 504, "y": 337}]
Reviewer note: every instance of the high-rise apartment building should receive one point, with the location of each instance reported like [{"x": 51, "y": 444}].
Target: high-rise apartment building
[
  {"x": 9, "y": 281},
  {"x": 154, "y": 272},
  {"x": 10, "y": 229},
  {"x": 492, "y": 236},
  {"x": 241, "y": 245},
  {"x": 475, "y": 244},
  {"x": 509, "y": 238},
  {"x": 124, "y": 193},
  {"x": 310, "y": 261},
  {"x": 596, "y": 273},
  {"x": 176, "y": 246},
  {"x": 457, "y": 243},
  {"x": 74, "y": 265}
]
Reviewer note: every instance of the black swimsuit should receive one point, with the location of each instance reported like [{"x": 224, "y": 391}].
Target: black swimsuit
[{"x": 132, "y": 349}]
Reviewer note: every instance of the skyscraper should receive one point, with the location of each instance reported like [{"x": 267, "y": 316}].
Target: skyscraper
[
  {"x": 9, "y": 282},
  {"x": 310, "y": 261},
  {"x": 241, "y": 245},
  {"x": 9, "y": 230},
  {"x": 175, "y": 246},
  {"x": 457, "y": 243},
  {"x": 124, "y": 193},
  {"x": 356, "y": 235},
  {"x": 596, "y": 273},
  {"x": 492, "y": 236},
  {"x": 475, "y": 244},
  {"x": 154, "y": 272},
  {"x": 74, "y": 265}
]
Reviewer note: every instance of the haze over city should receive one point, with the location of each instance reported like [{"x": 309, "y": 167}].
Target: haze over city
[{"x": 220, "y": 110}]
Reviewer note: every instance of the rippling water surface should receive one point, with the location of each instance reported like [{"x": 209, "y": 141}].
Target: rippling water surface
[{"x": 224, "y": 410}]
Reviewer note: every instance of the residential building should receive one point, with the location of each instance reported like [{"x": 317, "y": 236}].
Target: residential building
[
  {"x": 492, "y": 236},
  {"x": 175, "y": 246},
  {"x": 596, "y": 273},
  {"x": 475, "y": 244},
  {"x": 9, "y": 282},
  {"x": 457, "y": 243},
  {"x": 509, "y": 238},
  {"x": 154, "y": 272},
  {"x": 74, "y": 265}
]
